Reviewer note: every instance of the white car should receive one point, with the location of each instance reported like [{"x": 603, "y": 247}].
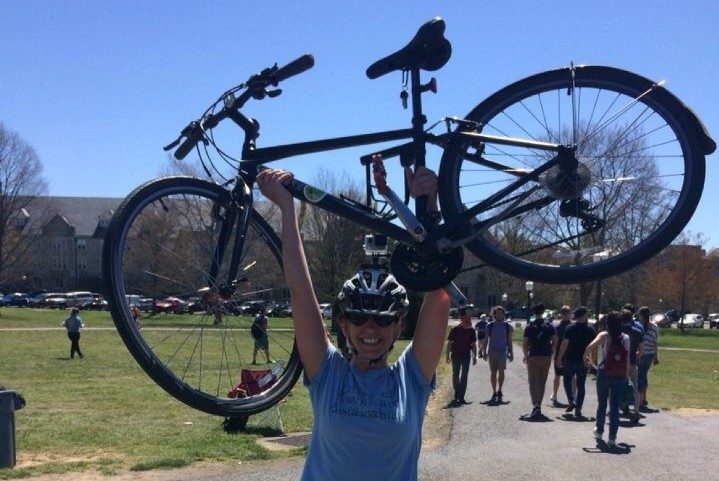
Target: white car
[
  {"x": 691, "y": 320},
  {"x": 326, "y": 310},
  {"x": 713, "y": 320}
]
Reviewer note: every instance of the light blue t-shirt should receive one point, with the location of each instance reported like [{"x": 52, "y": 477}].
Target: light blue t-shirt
[{"x": 367, "y": 425}]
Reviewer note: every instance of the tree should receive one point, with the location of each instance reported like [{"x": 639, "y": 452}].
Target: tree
[
  {"x": 333, "y": 243},
  {"x": 21, "y": 182},
  {"x": 682, "y": 275}
]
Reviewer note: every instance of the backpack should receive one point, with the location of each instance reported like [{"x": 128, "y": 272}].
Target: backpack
[
  {"x": 539, "y": 335},
  {"x": 256, "y": 330},
  {"x": 616, "y": 357}
]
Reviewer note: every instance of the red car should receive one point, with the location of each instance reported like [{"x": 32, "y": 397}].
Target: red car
[{"x": 170, "y": 304}]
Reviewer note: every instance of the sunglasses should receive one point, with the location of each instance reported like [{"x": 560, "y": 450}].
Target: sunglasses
[{"x": 382, "y": 319}]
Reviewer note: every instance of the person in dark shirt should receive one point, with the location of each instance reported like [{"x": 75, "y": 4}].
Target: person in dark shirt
[
  {"x": 571, "y": 352},
  {"x": 635, "y": 331},
  {"x": 565, "y": 319},
  {"x": 540, "y": 339},
  {"x": 461, "y": 347}
]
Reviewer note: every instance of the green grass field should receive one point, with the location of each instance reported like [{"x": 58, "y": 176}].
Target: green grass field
[{"x": 103, "y": 412}]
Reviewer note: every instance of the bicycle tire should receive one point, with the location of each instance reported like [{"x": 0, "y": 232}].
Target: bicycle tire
[
  {"x": 639, "y": 143},
  {"x": 147, "y": 252}
]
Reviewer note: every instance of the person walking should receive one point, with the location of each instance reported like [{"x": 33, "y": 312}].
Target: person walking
[
  {"x": 73, "y": 324},
  {"x": 540, "y": 340},
  {"x": 609, "y": 352},
  {"x": 496, "y": 349},
  {"x": 636, "y": 335},
  {"x": 481, "y": 328},
  {"x": 260, "y": 337},
  {"x": 461, "y": 347},
  {"x": 577, "y": 337},
  {"x": 650, "y": 353},
  {"x": 565, "y": 315},
  {"x": 367, "y": 412}
]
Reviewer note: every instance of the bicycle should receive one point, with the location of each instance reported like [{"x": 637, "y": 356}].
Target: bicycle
[{"x": 567, "y": 176}]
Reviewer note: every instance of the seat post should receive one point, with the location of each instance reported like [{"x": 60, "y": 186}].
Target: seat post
[{"x": 418, "y": 122}]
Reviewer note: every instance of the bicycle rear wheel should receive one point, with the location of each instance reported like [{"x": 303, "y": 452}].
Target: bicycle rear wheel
[
  {"x": 160, "y": 245},
  {"x": 641, "y": 173}
]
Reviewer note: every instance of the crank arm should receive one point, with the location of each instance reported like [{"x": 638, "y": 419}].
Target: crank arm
[
  {"x": 404, "y": 214},
  {"x": 458, "y": 298}
]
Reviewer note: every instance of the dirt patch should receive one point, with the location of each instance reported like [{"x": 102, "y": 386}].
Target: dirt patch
[{"x": 692, "y": 412}]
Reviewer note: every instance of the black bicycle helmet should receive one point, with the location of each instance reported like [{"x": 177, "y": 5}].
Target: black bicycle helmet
[{"x": 372, "y": 291}]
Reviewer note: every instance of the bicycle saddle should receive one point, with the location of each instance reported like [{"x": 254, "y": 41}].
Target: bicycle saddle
[{"x": 428, "y": 50}]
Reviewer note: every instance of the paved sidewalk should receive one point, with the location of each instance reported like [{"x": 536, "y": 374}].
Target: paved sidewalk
[{"x": 491, "y": 442}]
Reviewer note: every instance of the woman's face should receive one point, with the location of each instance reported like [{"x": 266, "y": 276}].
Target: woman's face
[{"x": 370, "y": 339}]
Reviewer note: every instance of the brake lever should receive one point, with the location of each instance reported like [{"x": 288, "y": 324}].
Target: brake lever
[{"x": 173, "y": 144}]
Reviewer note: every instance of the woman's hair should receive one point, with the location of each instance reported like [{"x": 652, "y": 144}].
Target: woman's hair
[
  {"x": 75, "y": 310},
  {"x": 499, "y": 308},
  {"x": 565, "y": 309},
  {"x": 614, "y": 324},
  {"x": 644, "y": 313}
]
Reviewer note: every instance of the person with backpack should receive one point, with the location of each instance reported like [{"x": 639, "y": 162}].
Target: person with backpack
[
  {"x": 259, "y": 334},
  {"x": 73, "y": 324},
  {"x": 635, "y": 331},
  {"x": 540, "y": 340},
  {"x": 481, "y": 327},
  {"x": 609, "y": 352},
  {"x": 650, "y": 354},
  {"x": 565, "y": 314},
  {"x": 577, "y": 337},
  {"x": 496, "y": 349}
]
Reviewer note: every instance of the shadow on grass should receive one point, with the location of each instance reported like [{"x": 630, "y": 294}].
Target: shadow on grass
[{"x": 162, "y": 463}]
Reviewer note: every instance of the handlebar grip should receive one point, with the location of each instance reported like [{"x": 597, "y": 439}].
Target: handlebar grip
[
  {"x": 298, "y": 65},
  {"x": 185, "y": 148}
]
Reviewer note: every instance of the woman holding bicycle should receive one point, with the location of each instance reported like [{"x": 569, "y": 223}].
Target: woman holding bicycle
[{"x": 368, "y": 413}]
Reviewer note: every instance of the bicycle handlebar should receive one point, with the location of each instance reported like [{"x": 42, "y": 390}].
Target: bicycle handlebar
[
  {"x": 258, "y": 83},
  {"x": 293, "y": 68}
]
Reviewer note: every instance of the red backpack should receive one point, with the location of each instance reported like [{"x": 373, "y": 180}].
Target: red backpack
[{"x": 616, "y": 357}]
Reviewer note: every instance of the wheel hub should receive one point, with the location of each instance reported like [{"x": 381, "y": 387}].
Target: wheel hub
[
  {"x": 566, "y": 183},
  {"x": 424, "y": 272}
]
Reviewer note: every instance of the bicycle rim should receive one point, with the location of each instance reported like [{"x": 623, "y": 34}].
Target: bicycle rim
[
  {"x": 642, "y": 174},
  {"x": 160, "y": 245}
]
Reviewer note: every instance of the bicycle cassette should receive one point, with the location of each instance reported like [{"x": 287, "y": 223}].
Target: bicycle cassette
[{"x": 425, "y": 272}]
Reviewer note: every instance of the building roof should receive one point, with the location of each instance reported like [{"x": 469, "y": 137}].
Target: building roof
[{"x": 82, "y": 213}]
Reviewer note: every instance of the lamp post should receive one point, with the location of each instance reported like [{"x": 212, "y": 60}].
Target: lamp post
[
  {"x": 598, "y": 257},
  {"x": 504, "y": 300},
  {"x": 529, "y": 285}
]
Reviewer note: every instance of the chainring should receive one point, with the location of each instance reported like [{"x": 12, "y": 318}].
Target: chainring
[{"x": 425, "y": 272}]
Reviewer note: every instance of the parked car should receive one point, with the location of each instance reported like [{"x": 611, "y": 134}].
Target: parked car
[
  {"x": 39, "y": 301},
  {"x": 251, "y": 308},
  {"x": 18, "y": 299},
  {"x": 194, "y": 304},
  {"x": 56, "y": 301},
  {"x": 173, "y": 305},
  {"x": 454, "y": 312},
  {"x": 278, "y": 309},
  {"x": 98, "y": 304},
  {"x": 80, "y": 299},
  {"x": 691, "y": 320},
  {"x": 326, "y": 310},
  {"x": 713, "y": 320},
  {"x": 661, "y": 320}
]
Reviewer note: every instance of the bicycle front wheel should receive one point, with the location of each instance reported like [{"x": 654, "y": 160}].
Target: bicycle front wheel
[
  {"x": 159, "y": 251},
  {"x": 640, "y": 175}
]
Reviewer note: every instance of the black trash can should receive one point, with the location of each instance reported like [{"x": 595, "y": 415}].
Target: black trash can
[{"x": 10, "y": 401}]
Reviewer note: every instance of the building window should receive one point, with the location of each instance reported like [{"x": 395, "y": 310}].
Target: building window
[{"x": 81, "y": 244}]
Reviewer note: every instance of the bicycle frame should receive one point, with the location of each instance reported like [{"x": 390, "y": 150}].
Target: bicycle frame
[{"x": 253, "y": 159}]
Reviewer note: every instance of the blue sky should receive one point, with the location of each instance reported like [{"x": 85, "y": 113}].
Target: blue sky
[{"x": 99, "y": 87}]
